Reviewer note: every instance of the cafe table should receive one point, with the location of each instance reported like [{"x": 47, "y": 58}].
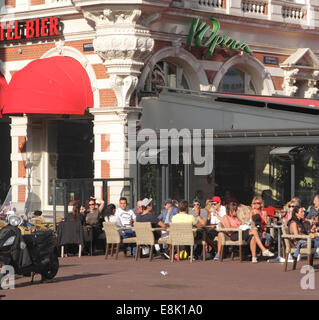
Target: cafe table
[{"x": 277, "y": 225}]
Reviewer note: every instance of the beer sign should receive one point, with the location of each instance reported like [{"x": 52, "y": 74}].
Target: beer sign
[{"x": 29, "y": 29}]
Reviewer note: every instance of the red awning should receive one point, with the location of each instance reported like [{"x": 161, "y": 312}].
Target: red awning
[
  {"x": 276, "y": 100},
  {"x": 57, "y": 85},
  {"x": 3, "y": 86}
]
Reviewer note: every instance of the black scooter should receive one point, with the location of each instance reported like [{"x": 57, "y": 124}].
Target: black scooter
[{"x": 30, "y": 254}]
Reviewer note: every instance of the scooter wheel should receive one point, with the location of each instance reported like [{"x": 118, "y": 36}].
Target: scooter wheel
[{"x": 51, "y": 272}]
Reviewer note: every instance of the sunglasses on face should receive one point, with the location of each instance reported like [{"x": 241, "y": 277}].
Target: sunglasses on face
[
  {"x": 91, "y": 204},
  {"x": 214, "y": 203},
  {"x": 196, "y": 204},
  {"x": 291, "y": 206},
  {"x": 256, "y": 202}
]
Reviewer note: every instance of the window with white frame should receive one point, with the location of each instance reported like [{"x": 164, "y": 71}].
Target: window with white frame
[
  {"x": 237, "y": 81},
  {"x": 166, "y": 74}
]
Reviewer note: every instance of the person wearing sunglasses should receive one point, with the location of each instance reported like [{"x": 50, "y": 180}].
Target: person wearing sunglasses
[
  {"x": 216, "y": 214},
  {"x": 291, "y": 204},
  {"x": 200, "y": 214},
  {"x": 259, "y": 219},
  {"x": 93, "y": 218},
  {"x": 231, "y": 220}
]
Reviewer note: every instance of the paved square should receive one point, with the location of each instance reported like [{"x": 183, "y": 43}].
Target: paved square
[{"x": 96, "y": 278}]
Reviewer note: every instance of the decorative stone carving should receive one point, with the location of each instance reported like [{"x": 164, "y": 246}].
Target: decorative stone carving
[
  {"x": 110, "y": 17},
  {"x": 289, "y": 81},
  {"x": 124, "y": 46},
  {"x": 312, "y": 91},
  {"x": 123, "y": 87},
  {"x": 59, "y": 46}
]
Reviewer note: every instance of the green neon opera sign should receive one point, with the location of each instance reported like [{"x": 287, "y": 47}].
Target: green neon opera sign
[{"x": 212, "y": 39}]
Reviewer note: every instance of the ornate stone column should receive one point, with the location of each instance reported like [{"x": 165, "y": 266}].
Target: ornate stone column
[{"x": 123, "y": 46}]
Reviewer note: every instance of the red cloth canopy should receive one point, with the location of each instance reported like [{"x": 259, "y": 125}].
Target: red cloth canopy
[
  {"x": 3, "y": 86},
  {"x": 56, "y": 85}
]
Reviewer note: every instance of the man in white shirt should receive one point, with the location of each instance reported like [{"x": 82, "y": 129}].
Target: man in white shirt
[
  {"x": 126, "y": 216},
  {"x": 217, "y": 210}
]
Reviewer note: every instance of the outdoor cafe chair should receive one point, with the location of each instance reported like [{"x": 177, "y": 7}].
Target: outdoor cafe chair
[
  {"x": 112, "y": 237},
  {"x": 290, "y": 247},
  {"x": 181, "y": 234},
  {"x": 144, "y": 236},
  {"x": 226, "y": 241},
  {"x": 70, "y": 232}
]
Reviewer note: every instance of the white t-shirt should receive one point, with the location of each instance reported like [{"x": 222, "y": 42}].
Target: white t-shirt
[
  {"x": 125, "y": 217},
  {"x": 111, "y": 218},
  {"x": 214, "y": 219}
]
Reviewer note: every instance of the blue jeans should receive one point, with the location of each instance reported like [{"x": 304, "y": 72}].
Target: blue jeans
[
  {"x": 129, "y": 234},
  {"x": 303, "y": 243}
]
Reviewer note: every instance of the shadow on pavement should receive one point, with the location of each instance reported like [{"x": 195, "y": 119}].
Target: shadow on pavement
[
  {"x": 61, "y": 279},
  {"x": 68, "y": 265}
]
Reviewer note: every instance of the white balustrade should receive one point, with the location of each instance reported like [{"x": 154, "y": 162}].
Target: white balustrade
[
  {"x": 211, "y": 3},
  {"x": 293, "y": 13},
  {"x": 255, "y": 7}
]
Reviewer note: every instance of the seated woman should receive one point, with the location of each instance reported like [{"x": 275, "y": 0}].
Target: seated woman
[
  {"x": 290, "y": 205},
  {"x": 77, "y": 213},
  {"x": 230, "y": 220},
  {"x": 109, "y": 213},
  {"x": 259, "y": 219},
  {"x": 297, "y": 226}
]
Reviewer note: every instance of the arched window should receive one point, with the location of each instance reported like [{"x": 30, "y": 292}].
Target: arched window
[
  {"x": 166, "y": 74},
  {"x": 237, "y": 81}
]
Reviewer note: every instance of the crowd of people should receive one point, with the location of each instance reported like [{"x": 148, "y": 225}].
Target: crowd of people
[{"x": 207, "y": 214}]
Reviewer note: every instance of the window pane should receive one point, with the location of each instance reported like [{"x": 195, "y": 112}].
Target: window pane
[{"x": 233, "y": 81}]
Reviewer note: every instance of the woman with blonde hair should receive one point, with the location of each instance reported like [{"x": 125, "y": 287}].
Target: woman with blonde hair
[{"x": 259, "y": 219}]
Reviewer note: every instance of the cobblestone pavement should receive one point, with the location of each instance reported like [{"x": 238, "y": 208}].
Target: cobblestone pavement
[{"x": 96, "y": 278}]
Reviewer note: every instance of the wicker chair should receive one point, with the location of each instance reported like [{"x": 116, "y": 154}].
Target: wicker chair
[
  {"x": 112, "y": 236},
  {"x": 226, "y": 241},
  {"x": 144, "y": 236},
  {"x": 291, "y": 248},
  {"x": 181, "y": 234}
]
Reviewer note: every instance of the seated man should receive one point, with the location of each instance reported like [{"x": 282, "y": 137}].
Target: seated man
[
  {"x": 147, "y": 216},
  {"x": 182, "y": 216},
  {"x": 313, "y": 211},
  {"x": 125, "y": 218},
  {"x": 167, "y": 213},
  {"x": 201, "y": 216}
]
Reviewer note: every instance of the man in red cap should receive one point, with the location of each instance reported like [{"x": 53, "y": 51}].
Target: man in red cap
[{"x": 217, "y": 210}]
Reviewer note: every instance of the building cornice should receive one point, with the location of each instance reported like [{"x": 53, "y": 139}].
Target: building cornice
[{"x": 251, "y": 21}]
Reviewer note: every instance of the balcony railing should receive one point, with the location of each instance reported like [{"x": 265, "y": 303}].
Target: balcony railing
[
  {"x": 272, "y": 10},
  {"x": 211, "y": 3},
  {"x": 293, "y": 12},
  {"x": 256, "y": 7}
]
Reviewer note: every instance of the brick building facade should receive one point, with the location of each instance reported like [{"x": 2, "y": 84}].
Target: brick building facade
[{"x": 127, "y": 42}]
